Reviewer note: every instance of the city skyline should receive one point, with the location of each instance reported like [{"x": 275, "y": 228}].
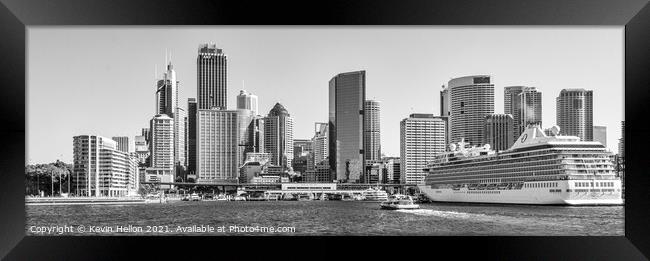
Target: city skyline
[{"x": 312, "y": 110}]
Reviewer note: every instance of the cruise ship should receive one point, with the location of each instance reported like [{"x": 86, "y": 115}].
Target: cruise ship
[{"x": 537, "y": 169}]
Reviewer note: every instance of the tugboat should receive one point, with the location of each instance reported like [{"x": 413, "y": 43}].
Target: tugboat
[{"x": 403, "y": 203}]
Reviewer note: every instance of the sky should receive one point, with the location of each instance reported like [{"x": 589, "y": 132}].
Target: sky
[{"x": 101, "y": 80}]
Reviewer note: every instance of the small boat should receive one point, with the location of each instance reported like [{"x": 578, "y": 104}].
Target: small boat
[
  {"x": 194, "y": 197},
  {"x": 304, "y": 197},
  {"x": 239, "y": 198},
  {"x": 399, "y": 204}
]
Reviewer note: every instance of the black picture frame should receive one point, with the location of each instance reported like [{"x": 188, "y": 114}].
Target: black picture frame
[{"x": 16, "y": 15}]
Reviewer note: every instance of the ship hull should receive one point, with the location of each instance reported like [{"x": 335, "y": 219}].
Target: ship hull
[{"x": 565, "y": 194}]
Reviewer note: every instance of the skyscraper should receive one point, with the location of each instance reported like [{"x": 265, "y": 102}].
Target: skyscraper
[
  {"x": 212, "y": 67},
  {"x": 219, "y": 144},
  {"x": 574, "y": 113},
  {"x": 525, "y": 106},
  {"x": 421, "y": 137},
  {"x": 498, "y": 131},
  {"x": 372, "y": 136},
  {"x": 347, "y": 93},
  {"x": 141, "y": 149},
  {"x": 471, "y": 100},
  {"x": 167, "y": 93},
  {"x": 191, "y": 135},
  {"x": 179, "y": 142},
  {"x": 600, "y": 135},
  {"x": 122, "y": 143},
  {"x": 278, "y": 136},
  {"x": 248, "y": 101},
  {"x": 320, "y": 142},
  {"x": 162, "y": 142},
  {"x": 621, "y": 141},
  {"x": 444, "y": 102}
]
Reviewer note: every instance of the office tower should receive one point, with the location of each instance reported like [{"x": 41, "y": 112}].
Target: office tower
[
  {"x": 211, "y": 64},
  {"x": 219, "y": 145},
  {"x": 444, "y": 102},
  {"x": 167, "y": 93},
  {"x": 525, "y": 106},
  {"x": 320, "y": 142},
  {"x": 372, "y": 136},
  {"x": 248, "y": 101},
  {"x": 256, "y": 134},
  {"x": 621, "y": 141},
  {"x": 191, "y": 135},
  {"x": 445, "y": 111},
  {"x": 122, "y": 143},
  {"x": 392, "y": 169},
  {"x": 303, "y": 155},
  {"x": 347, "y": 93},
  {"x": 302, "y": 147},
  {"x": 100, "y": 169},
  {"x": 278, "y": 136},
  {"x": 471, "y": 99},
  {"x": 574, "y": 113},
  {"x": 162, "y": 142},
  {"x": 600, "y": 134},
  {"x": 146, "y": 132},
  {"x": 498, "y": 131},
  {"x": 179, "y": 142},
  {"x": 141, "y": 149},
  {"x": 421, "y": 137}
]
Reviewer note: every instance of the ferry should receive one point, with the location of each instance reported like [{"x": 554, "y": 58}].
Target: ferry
[
  {"x": 399, "y": 203},
  {"x": 375, "y": 194},
  {"x": 537, "y": 169}
]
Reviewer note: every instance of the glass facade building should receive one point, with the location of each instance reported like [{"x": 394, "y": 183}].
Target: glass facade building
[{"x": 347, "y": 93}]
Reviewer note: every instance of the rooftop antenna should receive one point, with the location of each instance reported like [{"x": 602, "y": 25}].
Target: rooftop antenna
[{"x": 166, "y": 57}]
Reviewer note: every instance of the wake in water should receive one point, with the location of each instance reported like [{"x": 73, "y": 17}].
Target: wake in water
[{"x": 480, "y": 217}]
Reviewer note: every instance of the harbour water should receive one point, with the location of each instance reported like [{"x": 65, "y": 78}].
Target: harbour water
[{"x": 329, "y": 218}]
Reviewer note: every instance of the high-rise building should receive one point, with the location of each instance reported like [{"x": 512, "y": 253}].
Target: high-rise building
[
  {"x": 141, "y": 149},
  {"x": 167, "y": 93},
  {"x": 303, "y": 155},
  {"x": 621, "y": 141},
  {"x": 525, "y": 106},
  {"x": 444, "y": 102},
  {"x": 179, "y": 142},
  {"x": 600, "y": 135},
  {"x": 248, "y": 101},
  {"x": 278, "y": 136},
  {"x": 471, "y": 99},
  {"x": 498, "y": 131},
  {"x": 421, "y": 137},
  {"x": 212, "y": 82},
  {"x": 122, "y": 143},
  {"x": 100, "y": 169},
  {"x": 574, "y": 113},
  {"x": 191, "y": 135},
  {"x": 372, "y": 135},
  {"x": 392, "y": 169},
  {"x": 302, "y": 147},
  {"x": 256, "y": 134},
  {"x": 320, "y": 142},
  {"x": 220, "y": 148},
  {"x": 162, "y": 142},
  {"x": 347, "y": 93},
  {"x": 146, "y": 132}
]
